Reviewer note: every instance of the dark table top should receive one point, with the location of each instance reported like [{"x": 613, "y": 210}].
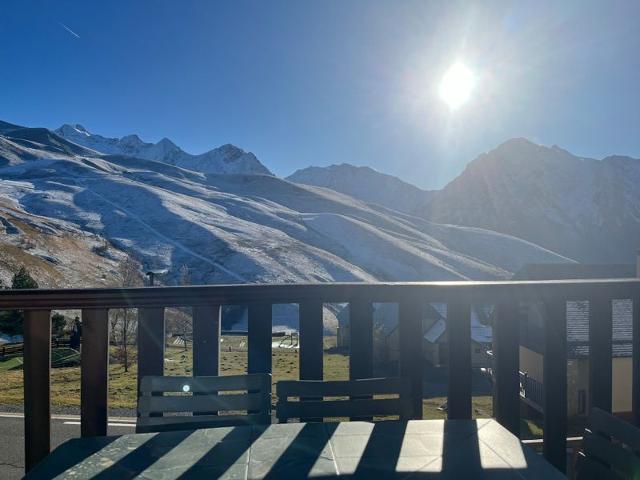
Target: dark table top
[{"x": 416, "y": 449}]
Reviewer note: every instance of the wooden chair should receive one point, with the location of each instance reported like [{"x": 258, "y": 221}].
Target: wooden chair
[
  {"x": 197, "y": 402},
  {"x": 361, "y": 404},
  {"x": 609, "y": 449}
]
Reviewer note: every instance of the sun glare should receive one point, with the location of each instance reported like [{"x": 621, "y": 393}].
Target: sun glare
[{"x": 456, "y": 85}]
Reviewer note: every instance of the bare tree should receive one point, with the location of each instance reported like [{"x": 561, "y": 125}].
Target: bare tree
[
  {"x": 124, "y": 321},
  {"x": 181, "y": 319}
]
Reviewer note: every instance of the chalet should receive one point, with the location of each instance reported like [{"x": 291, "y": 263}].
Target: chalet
[
  {"x": 435, "y": 345},
  {"x": 532, "y": 339}
]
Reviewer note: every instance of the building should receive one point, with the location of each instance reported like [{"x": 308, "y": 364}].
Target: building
[
  {"x": 532, "y": 339},
  {"x": 435, "y": 345}
]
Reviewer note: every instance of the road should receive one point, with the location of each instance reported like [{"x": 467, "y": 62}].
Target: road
[{"x": 63, "y": 427}]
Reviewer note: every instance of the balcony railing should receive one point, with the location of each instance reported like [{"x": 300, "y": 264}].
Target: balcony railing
[
  {"x": 532, "y": 391},
  {"x": 206, "y": 302}
]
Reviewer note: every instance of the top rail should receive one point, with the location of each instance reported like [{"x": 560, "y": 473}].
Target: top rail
[{"x": 149, "y": 297}]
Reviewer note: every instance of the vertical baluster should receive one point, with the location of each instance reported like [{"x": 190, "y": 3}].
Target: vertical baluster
[
  {"x": 311, "y": 345},
  {"x": 37, "y": 393},
  {"x": 311, "y": 340},
  {"x": 150, "y": 343},
  {"x": 555, "y": 382},
  {"x": 506, "y": 395},
  {"x": 459, "y": 338},
  {"x": 361, "y": 339},
  {"x": 411, "y": 359},
  {"x": 600, "y": 352},
  {"x": 94, "y": 372},
  {"x": 360, "y": 343},
  {"x": 635, "y": 380},
  {"x": 206, "y": 340},
  {"x": 259, "y": 337}
]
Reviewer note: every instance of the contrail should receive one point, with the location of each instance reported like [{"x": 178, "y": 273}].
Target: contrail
[{"x": 69, "y": 30}]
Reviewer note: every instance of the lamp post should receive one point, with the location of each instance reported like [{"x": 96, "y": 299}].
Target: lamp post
[{"x": 152, "y": 275}]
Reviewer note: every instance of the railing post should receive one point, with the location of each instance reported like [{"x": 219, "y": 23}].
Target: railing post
[
  {"x": 635, "y": 376},
  {"x": 555, "y": 382},
  {"x": 259, "y": 337},
  {"x": 94, "y": 372},
  {"x": 150, "y": 343},
  {"x": 206, "y": 340},
  {"x": 411, "y": 360},
  {"x": 311, "y": 340},
  {"x": 506, "y": 395},
  {"x": 600, "y": 352},
  {"x": 361, "y": 339},
  {"x": 459, "y": 338},
  {"x": 37, "y": 393}
]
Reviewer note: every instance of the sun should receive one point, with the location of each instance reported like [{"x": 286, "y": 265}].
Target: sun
[{"x": 457, "y": 85}]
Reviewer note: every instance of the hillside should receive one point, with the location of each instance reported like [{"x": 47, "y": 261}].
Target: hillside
[
  {"x": 242, "y": 228},
  {"x": 366, "y": 184},
  {"x": 582, "y": 208}
]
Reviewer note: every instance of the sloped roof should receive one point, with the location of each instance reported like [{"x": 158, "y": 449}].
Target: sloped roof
[
  {"x": 481, "y": 331},
  {"x": 578, "y": 311}
]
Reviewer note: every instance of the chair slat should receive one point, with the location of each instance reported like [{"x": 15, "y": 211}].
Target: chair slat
[
  {"x": 354, "y": 407},
  {"x": 339, "y": 388},
  {"x": 205, "y": 398},
  {"x": 345, "y": 408},
  {"x": 610, "y": 448},
  {"x": 201, "y": 403},
  {"x": 602, "y": 422},
  {"x": 621, "y": 459},
  {"x": 590, "y": 469},
  {"x": 162, "y": 424},
  {"x": 156, "y": 383}
]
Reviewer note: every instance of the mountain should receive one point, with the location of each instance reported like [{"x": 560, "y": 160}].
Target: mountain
[
  {"x": 225, "y": 159},
  {"x": 230, "y": 228},
  {"x": 583, "y": 208},
  {"x": 365, "y": 184}
]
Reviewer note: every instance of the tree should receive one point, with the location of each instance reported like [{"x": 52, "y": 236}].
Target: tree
[
  {"x": 124, "y": 321},
  {"x": 58, "y": 322},
  {"x": 22, "y": 279},
  {"x": 180, "y": 320},
  {"x": 11, "y": 323}
]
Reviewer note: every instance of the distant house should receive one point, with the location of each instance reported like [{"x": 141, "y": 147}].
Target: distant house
[
  {"x": 435, "y": 343},
  {"x": 532, "y": 339},
  {"x": 435, "y": 340}
]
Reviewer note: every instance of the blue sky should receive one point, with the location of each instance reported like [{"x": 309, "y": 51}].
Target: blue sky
[{"x": 322, "y": 82}]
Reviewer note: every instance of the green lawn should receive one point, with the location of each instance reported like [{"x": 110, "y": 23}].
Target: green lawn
[{"x": 65, "y": 382}]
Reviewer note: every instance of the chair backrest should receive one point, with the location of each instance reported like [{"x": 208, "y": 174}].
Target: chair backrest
[
  {"x": 609, "y": 449},
  {"x": 200, "y": 402},
  {"x": 361, "y": 404}
]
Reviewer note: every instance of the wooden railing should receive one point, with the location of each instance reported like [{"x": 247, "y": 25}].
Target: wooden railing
[{"x": 206, "y": 302}]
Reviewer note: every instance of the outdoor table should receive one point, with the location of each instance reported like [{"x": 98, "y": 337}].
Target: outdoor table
[{"x": 415, "y": 449}]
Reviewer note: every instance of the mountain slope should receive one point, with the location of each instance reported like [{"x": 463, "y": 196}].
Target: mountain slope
[
  {"x": 246, "y": 228},
  {"x": 580, "y": 207},
  {"x": 365, "y": 184},
  {"x": 225, "y": 159}
]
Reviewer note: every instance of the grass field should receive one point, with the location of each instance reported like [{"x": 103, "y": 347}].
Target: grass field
[{"x": 65, "y": 382}]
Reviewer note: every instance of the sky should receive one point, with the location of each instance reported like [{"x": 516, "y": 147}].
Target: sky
[{"x": 324, "y": 82}]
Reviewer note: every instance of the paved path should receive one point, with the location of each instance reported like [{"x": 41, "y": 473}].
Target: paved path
[{"x": 63, "y": 427}]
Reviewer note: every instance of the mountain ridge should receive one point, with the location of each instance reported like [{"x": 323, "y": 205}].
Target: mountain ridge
[
  {"x": 231, "y": 228},
  {"x": 224, "y": 159}
]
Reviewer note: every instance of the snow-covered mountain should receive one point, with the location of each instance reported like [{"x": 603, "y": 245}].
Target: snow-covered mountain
[
  {"x": 234, "y": 228},
  {"x": 581, "y": 207},
  {"x": 225, "y": 159},
  {"x": 366, "y": 184}
]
